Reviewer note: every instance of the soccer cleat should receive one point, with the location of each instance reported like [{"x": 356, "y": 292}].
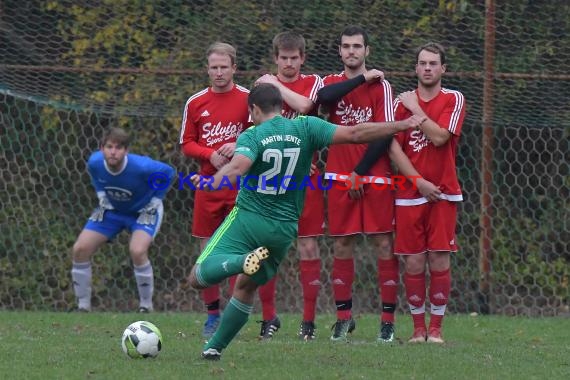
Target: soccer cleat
[
  {"x": 269, "y": 328},
  {"x": 434, "y": 335},
  {"x": 307, "y": 330},
  {"x": 342, "y": 328},
  {"x": 253, "y": 260},
  {"x": 387, "y": 331},
  {"x": 211, "y": 325},
  {"x": 211, "y": 354},
  {"x": 144, "y": 310},
  {"x": 419, "y": 336}
]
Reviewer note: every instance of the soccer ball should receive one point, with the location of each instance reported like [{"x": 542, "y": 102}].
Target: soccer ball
[{"x": 141, "y": 339}]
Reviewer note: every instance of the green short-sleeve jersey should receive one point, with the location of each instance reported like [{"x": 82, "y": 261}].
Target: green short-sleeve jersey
[{"x": 281, "y": 150}]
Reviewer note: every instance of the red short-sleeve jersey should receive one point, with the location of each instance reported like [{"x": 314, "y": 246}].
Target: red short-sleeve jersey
[
  {"x": 369, "y": 102},
  {"x": 435, "y": 164},
  {"x": 306, "y": 85},
  {"x": 212, "y": 119}
]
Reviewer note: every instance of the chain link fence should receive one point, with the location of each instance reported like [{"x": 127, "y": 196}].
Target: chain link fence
[{"x": 70, "y": 69}]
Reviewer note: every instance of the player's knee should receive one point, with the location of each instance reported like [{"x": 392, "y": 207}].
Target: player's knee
[
  {"x": 343, "y": 247},
  {"x": 81, "y": 251},
  {"x": 383, "y": 245},
  {"x": 139, "y": 255},
  {"x": 439, "y": 263},
  {"x": 415, "y": 264},
  {"x": 193, "y": 281},
  {"x": 308, "y": 248}
]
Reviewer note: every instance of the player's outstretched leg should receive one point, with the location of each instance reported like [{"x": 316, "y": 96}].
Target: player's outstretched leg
[{"x": 212, "y": 270}]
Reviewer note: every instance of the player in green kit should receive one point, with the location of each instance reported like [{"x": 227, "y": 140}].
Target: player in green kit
[{"x": 272, "y": 162}]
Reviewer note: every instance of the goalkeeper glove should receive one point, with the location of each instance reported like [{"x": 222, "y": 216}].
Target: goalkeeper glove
[
  {"x": 104, "y": 205},
  {"x": 149, "y": 214}
]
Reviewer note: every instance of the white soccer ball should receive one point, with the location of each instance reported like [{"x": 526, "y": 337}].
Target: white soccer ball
[{"x": 141, "y": 339}]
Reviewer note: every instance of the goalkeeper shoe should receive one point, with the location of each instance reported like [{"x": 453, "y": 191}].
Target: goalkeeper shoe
[
  {"x": 307, "y": 331},
  {"x": 212, "y": 354},
  {"x": 419, "y": 336},
  {"x": 341, "y": 329},
  {"x": 387, "y": 330},
  {"x": 253, "y": 260},
  {"x": 77, "y": 309},
  {"x": 269, "y": 328},
  {"x": 434, "y": 335},
  {"x": 211, "y": 325}
]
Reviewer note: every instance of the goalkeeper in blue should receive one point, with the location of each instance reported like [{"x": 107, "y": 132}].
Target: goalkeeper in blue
[
  {"x": 254, "y": 238},
  {"x": 130, "y": 189}
]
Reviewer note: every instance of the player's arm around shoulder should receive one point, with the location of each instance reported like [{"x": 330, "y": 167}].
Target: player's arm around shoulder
[
  {"x": 437, "y": 134},
  {"x": 367, "y": 132}
]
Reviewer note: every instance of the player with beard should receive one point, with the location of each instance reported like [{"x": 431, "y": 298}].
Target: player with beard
[
  {"x": 363, "y": 209},
  {"x": 433, "y": 205},
  {"x": 130, "y": 189}
]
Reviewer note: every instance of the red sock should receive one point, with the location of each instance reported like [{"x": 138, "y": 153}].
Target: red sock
[
  {"x": 211, "y": 297},
  {"x": 416, "y": 295},
  {"x": 388, "y": 279},
  {"x": 342, "y": 279},
  {"x": 267, "y": 298},
  {"x": 439, "y": 289},
  {"x": 311, "y": 283}
]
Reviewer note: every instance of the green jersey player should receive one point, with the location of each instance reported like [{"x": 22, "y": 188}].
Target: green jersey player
[{"x": 271, "y": 160}]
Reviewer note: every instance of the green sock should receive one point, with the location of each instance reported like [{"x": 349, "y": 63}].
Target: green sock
[
  {"x": 214, "y": 269},
  {"x": 234, "y": 318}
]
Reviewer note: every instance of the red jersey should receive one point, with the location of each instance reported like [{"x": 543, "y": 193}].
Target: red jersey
[
  {"x": 435, "y": 164},
  {"x": 212, "y": 119},
  {"x": 369, "y": 102},
  {"x": 306, "y": 85}
]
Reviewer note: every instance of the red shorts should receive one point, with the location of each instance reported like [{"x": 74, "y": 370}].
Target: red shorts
[
  {"x": 426, "y": 227},
  {"x": 312, "y": 220},
  {"x": 210, "y": 209},
  {"x": 371, "y": 214}
]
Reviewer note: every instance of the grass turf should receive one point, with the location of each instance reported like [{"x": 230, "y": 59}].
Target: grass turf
[{"x": 44, "y": 345}]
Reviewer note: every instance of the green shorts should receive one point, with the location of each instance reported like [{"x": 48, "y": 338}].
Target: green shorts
[{"x": 242, "y": 231}]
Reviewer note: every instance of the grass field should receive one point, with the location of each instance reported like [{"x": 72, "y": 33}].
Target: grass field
[{"x": 36, "y": 345}]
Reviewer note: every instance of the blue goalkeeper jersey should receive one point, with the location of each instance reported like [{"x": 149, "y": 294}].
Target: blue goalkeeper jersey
[{"x": 132, "y": 188}]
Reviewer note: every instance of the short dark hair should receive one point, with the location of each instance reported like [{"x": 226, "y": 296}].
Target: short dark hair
[
  {"x": 267, "y": 97},
  {"x": 354, "y": 30},
  {"x": 222, "y": 48},
  {"x": 432, "y": 47},
  {"x": 116, "y": 135},
  {"x": 288, "y": 40}
]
